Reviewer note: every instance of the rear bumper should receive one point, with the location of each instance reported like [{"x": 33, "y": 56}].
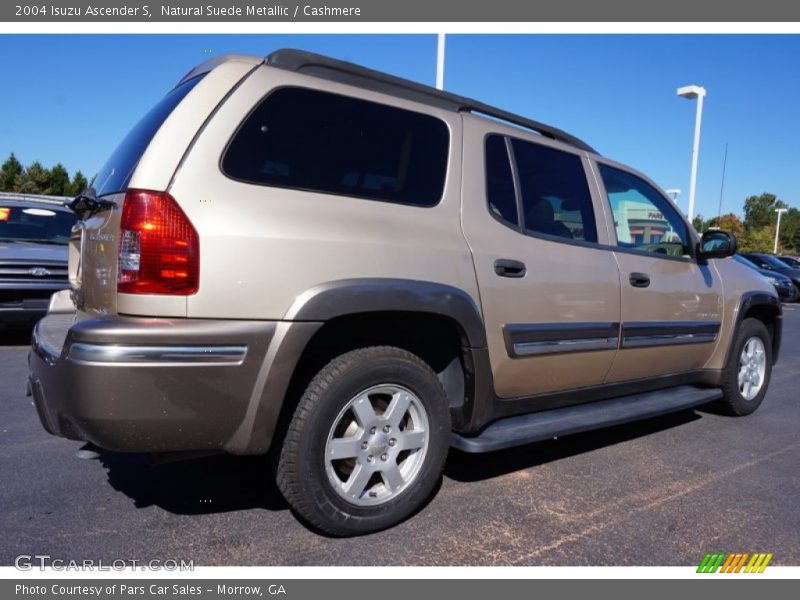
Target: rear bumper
[
  {"x": 24, "y": 302},
  {"x": 161, "y": 385}
]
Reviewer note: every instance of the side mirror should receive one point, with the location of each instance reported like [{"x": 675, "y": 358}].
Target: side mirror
[{"x": 716, "y": 244}]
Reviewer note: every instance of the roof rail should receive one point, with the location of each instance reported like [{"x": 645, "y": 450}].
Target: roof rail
[{"x": 341, "y": 71}]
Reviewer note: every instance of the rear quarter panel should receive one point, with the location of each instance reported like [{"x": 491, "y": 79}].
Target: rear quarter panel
[{"x": 262, "y": 247}]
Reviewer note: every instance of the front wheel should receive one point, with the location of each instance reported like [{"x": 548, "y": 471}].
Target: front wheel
[
  {"x": 367, "y": 443},
  {"x": 746, "y": 376}
]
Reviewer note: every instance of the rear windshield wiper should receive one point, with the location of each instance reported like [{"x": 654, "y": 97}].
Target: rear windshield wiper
[{"x": 87, "y": 203}]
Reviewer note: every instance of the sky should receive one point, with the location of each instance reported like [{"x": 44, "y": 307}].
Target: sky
[{"x": 71, "y": 98}]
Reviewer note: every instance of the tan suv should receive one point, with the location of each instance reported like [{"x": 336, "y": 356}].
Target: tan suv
[{"x": 359, "y": 272}]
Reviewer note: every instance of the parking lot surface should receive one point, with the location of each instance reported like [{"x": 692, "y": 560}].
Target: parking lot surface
[{"x": 659, "y": 492}]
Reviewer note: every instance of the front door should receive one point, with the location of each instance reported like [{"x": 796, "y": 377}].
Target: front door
[
  {"x": 671, "y": 305},
  {"x": 548, "y": 288}
]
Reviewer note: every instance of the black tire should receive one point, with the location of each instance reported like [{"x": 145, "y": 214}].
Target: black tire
[
  {"x": 733, "y": 402},
  {"x": 301, "y": 472}
]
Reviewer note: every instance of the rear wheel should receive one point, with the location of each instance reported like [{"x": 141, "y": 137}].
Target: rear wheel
[
  {"x": 746, "y": 377},
  {"x": 367, "y": 443}
]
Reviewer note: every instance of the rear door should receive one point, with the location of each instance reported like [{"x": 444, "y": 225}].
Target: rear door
[
  {"x": 671, "y": 305},
  {"x": 549, "y": 286}
]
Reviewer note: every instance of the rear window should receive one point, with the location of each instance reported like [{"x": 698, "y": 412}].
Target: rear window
[
  {"x": 311, "y": 140},
  {"x": 116, "y": 173},
  {"x": 39, "y": 224}
]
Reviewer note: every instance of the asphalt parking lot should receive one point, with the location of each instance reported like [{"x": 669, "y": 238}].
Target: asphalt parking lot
[{"x": 660, "y": 492}]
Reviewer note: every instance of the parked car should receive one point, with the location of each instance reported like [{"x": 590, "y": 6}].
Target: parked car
[
  {"x": 770, "y": 262},
  {"x": 358, "y": 272},
  {"x": 783, "y": 285},
  {"x": 791, "y": 261},
  {"x": 34, "y": 234}
]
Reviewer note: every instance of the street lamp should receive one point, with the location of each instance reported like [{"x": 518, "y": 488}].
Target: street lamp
[
  {"x": 673, "y": 193},
  {"x": 780, "y": 211},
  {"x": 440, "y": 62},
  {"x": 692, "y": 92}
]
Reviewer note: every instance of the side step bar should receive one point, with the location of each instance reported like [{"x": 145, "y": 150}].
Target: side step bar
[{"x": 535, "y": 427}]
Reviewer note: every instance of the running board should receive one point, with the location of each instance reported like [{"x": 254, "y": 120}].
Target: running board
[{"x": 535, "y": 427}]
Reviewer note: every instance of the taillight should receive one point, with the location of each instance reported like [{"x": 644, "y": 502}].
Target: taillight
[{"x": 159, "y": 249}]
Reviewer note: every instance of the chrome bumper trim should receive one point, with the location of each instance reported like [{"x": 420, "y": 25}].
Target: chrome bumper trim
[{"x": 156, "y": 355}]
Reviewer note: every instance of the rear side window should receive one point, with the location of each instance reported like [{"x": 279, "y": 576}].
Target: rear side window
[
  {"x": 555, "y": 194},
  {"x": 311, "y": 140},
  {"x": 500, "y": 182},
  {"x": 118, "y": 170}
]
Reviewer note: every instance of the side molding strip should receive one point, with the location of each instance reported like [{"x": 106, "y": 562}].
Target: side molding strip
[
  {"x": 557, "y": 338},
  {"x": 668, "y": 333}
]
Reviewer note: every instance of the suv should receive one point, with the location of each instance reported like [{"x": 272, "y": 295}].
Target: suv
[
  {"x": 358, "y": 272},
  {"x": 34, "y": 233}
]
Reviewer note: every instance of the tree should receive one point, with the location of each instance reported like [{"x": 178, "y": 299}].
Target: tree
[
  {"x": 729, "y": 222},
  {"x": 790, "y": 231},
  {"x": 34, "y": 180},
  {"x": 59, "y": 180},
  {"x": 77, "y": 185},
  {"x": 9, "y": 171},
  {"x": 699, "y": 223},
  {"x": 759, "y": 211}
]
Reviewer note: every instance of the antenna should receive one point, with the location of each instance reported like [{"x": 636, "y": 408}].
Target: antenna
[{"x": 722, "y": 185}]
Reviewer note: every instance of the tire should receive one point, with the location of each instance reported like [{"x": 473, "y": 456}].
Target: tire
[
  {"x": 353, "y": 407},
  {"x": 737, "y": 400}
]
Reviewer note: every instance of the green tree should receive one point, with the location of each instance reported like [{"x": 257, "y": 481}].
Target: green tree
[
  {"x": 9, "y": 171},
  {"x": 699, "y": 223},
  {"x": 59, "y": 180},
  {"x": 77, "y": 185},
  {"x": 34, "y": 180},
  {"x": 759, "y": 211},
  {"x": 758, "y": 240},
  {"x": 790, "y": 231}
]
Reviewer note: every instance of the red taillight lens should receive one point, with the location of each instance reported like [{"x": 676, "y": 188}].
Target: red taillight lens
[{"x": 159, "y": 249}]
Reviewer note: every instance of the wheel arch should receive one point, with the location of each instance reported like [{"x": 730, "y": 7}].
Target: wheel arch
[
  {"x": 766, "y": 308},
  {"x": 339, "y": 316}
]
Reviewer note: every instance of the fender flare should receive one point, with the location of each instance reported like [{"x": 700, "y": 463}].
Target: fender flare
[
  {"x": 750, "y": 300},
  {"x": 356, "y": 296}
]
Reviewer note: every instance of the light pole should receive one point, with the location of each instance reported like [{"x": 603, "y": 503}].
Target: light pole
[
  {"x": 692, "y": 92},
  {"x": 780, "y": 211},
  {"x": 440, "y": 62}
]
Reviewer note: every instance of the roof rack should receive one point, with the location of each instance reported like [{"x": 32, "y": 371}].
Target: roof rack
[{"x": 341, "y": 71}]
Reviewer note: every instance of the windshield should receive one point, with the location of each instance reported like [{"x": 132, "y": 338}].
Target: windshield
[
  {"x": 35, "y": 224},
  {"x": 118, "y": 170},
  {"x": 774, "y": 263}
]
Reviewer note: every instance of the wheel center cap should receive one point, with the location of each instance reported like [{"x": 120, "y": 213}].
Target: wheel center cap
[{"x": 379, "y": 443}]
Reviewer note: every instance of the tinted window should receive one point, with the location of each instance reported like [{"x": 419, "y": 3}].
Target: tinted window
[
  {"x": 499, "y": 181},
  {"x": 767, "y": 262},
  {"x": 117, "y": 172},
  {"x": 311, "y": 140},
  {"x": 40, "y": 224},
  {"x": 643, "y": 218},
  {"x": 555, "y": 194}
]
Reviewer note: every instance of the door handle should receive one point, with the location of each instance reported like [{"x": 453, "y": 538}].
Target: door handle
[
  {"x": 641, "y": 280},
  {"x": 507, "y": 267}
]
